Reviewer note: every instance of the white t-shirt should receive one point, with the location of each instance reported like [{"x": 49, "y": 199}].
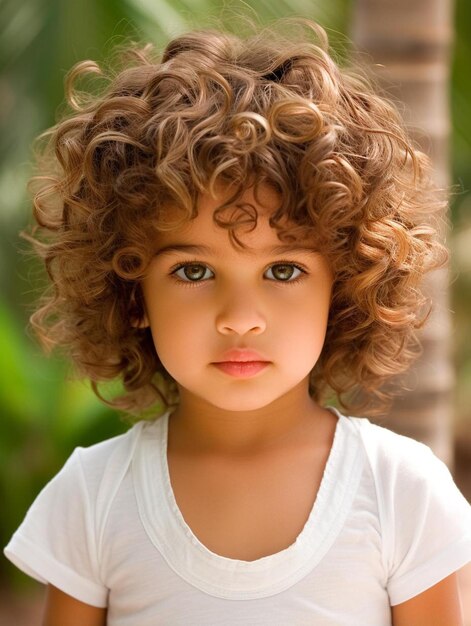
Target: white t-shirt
[{"x": 388, "y": 523}]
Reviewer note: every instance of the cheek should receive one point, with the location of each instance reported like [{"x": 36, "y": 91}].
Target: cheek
[
  {"x": 304, "y": 325},
  {"x": 177, "y": 331}
]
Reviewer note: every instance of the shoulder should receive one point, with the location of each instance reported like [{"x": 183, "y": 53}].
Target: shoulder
[
  {"x": 60, "y": 540},
  {"x": 425, "y": 520},
  {"x": 396, "y": 455},
  {"x": 93, "y": 474},
  {"x": 104, "y": 464},
  {"x": 91, "y": 470},
  {"x": 100, "y": 453},
  {"x": 408, "y": 474},
  {"x": 413, "y": 486}
]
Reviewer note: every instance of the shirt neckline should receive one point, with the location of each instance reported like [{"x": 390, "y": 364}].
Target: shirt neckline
[{"x": 232, "y": 578}]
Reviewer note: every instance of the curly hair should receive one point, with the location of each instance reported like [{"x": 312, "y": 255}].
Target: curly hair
[{"x": 215, "y": 107}]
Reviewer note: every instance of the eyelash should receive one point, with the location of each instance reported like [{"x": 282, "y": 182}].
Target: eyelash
[{"x": 193, "y": 283}]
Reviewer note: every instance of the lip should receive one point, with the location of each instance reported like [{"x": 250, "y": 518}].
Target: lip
[
  {"x": 242, "y": 369},
  {"x": 242, "y": 355}
]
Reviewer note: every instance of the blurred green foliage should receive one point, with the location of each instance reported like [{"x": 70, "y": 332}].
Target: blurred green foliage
[{"x": 45, "y": 413}]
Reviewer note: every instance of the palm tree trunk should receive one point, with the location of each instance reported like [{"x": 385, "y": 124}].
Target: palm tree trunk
[{"x": 409, "y": 43}]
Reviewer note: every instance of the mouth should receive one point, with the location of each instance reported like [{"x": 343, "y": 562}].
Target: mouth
[
  {"x": 241, "y": 369},
  {"x": 242, "y": 355}
]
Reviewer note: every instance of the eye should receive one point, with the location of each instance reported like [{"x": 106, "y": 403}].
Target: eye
[
  {"x": 192, "y": 272},
  {"x": 284, "y": 272}
]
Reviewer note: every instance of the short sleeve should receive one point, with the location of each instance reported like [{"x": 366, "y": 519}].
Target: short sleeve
[
  {"x": 428, "y": 523},
  {"x": 56, "y": 541}
]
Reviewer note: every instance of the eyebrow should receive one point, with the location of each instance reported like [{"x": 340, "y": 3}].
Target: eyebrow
[{"x": 200, "y": 249}]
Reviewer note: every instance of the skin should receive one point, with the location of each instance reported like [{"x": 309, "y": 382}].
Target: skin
[
  {"x": 439, "y": 605},
  {"x": 237, "y": 299},
  {"x": 63, "y": 610},
  {"x": 237, "y": 302}
]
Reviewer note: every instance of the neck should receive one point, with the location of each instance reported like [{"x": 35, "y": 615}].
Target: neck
[{"x": 198, "y": 427}]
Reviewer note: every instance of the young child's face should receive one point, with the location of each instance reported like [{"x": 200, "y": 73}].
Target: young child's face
[{"x": 231, "y": 298}]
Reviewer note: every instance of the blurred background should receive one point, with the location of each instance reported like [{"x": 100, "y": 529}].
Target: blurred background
[{"x": 420, "y": 51}]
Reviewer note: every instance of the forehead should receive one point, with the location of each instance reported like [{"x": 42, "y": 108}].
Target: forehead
[{"x": 204, "y": 231}]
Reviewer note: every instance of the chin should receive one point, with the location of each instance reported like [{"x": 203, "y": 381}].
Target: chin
[{"x": 242, "y": 402}]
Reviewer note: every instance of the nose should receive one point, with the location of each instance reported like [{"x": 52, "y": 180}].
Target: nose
[{"x": 240, "y": 315}]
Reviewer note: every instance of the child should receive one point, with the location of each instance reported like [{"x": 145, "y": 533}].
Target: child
[{"x": 232, "y": 230}]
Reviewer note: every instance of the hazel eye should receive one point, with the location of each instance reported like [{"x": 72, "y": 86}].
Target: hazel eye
[
  {"x": 192, "y": 272},
  {"x": 284, "y": 271}
]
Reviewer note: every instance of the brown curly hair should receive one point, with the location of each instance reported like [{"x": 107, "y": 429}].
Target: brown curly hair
[{"x": 216, "y": 107}]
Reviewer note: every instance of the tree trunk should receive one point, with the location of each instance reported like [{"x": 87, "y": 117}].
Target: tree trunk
[{"x": 409, "y": 43}]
